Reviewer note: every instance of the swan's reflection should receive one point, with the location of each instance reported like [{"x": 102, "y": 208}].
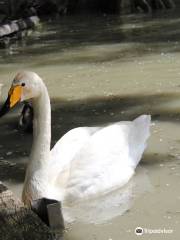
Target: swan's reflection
[{"x": 116, "y": 203}]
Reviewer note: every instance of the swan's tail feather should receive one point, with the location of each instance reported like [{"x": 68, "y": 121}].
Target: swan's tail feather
[{"x": 139, "y": 137}]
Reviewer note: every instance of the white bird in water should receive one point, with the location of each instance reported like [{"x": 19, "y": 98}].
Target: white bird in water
[{"x": 87, "y": 161}]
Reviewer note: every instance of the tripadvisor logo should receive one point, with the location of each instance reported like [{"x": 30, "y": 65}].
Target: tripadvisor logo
[{"x": 139, "y": 231}]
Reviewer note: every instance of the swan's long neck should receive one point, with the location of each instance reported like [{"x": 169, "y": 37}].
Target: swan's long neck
[
  {"x": 36, "y": 173},
  {"x": 41, "y": 129}
]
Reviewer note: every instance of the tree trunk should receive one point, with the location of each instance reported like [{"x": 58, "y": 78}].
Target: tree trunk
[{"x": 18, "y": 222}]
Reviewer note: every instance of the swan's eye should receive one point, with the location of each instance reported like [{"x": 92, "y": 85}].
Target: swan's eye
[{"x": 23, "y": 84}]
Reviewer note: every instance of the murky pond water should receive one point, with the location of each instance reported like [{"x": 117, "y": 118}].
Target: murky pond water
[{"x": 105, "y": 69}]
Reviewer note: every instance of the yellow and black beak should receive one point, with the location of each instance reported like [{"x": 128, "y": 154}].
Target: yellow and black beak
[{"x": 14, "y": 96}]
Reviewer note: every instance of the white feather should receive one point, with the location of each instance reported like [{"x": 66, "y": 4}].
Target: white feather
[{"x": 93, "y": 161}]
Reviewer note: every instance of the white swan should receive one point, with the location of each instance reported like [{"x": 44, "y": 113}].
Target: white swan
[{"x": 86, "y": 161}]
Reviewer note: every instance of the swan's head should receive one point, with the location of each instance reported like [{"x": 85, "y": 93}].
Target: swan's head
[{"x": 25, "y": 86}]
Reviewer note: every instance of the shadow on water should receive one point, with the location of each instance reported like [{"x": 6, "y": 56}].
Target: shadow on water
[
  {"x": 142, "y": 35},
  {"x": 16, "y": 145},
  {"x": 95, "y": 111},
  {"x": 12, "y": 171}
]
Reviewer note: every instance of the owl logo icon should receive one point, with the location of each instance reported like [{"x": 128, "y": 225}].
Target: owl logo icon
[{"x": 139, "y": 231}]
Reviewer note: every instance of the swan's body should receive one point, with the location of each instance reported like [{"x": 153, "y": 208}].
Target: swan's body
[{"x": 86, "y": 161}]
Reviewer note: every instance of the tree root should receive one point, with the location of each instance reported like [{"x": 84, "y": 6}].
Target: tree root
[{"x": 150, "y": 5}]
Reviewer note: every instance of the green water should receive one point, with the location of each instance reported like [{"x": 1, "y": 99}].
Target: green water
[{"x": 102, "y": 69}]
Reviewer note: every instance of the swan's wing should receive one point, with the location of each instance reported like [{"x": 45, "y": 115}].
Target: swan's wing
[
  {"x": 61, "y": 156},
  {"x": 66, "y": 148},
  {"x": 107, "y": 159}
]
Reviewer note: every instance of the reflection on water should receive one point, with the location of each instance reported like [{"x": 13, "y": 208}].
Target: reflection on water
[
  {"x": 114, "y": 204},
  {"x": 106, "y": 69}
]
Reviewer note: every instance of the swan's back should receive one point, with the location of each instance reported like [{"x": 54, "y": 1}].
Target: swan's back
[
  {"x": 106, "y": 159},
  {"x": 138, "y": 138}
]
